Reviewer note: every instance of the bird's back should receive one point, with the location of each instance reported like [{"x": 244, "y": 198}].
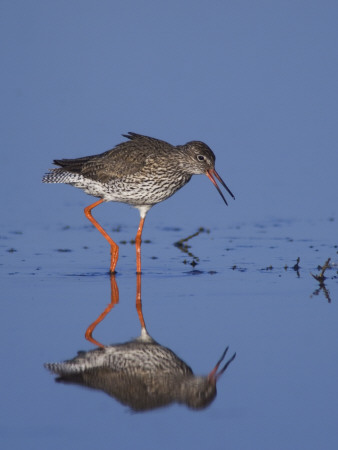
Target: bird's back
[
  {"x": 139, "y": 171},
  {"x": 126, "y": 158}
]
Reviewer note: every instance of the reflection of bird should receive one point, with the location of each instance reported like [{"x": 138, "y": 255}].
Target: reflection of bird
[
  {"x": 141, "y": 374},
  {"x": 141, "y": 172}
]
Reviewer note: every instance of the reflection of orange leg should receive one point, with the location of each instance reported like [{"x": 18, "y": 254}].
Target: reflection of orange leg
[
  {"x": 114, "y": 301},
  {"x": 138, "y": 301},
  {"x": 138, "y": 245},
  {"x": 114, "y": 249}
]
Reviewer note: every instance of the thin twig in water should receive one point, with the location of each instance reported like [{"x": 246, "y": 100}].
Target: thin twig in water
[
  {"x": 181, "y": 244},
  {"x": 321, "y": 278},
  {"x": 181, "y": 241}
]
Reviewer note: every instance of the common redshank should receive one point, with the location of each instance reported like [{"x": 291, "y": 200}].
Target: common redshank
[
  {"x": 140, "y": 373},
  {"x": 141, "y": 172}
]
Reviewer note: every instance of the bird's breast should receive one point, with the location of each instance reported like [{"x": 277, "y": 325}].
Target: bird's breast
[{"x": 146, "y": 189}]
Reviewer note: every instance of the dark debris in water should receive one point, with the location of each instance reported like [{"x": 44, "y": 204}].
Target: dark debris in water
[
  {"x": 63, "y": 250},
  {"x": 239, "y": 269},
  {"x": 181, "y": 242},
  {"x": 295, "y": 267},
  {"x": 12, "y": 250},
  {"x": 171, "y": 229},
  {"x": 89, "y": 274},
  {"x": 195, "y": 272},
  {"x": 321, "y": 280},
  {"x": 325, "y": 290},
  {"x": 184, "y": 247},
  {"x": 321, "y": 277},
  {"x": 267, "y": 268},
  {"x": 132, "y": 241}
]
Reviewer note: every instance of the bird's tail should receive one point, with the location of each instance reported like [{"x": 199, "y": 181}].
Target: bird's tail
[{"x": 59, "y": 176}]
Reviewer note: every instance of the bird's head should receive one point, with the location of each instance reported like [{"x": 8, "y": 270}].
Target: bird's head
[
  {"x": 201, "y": 160},
  {"x": 199, "y": 392}
]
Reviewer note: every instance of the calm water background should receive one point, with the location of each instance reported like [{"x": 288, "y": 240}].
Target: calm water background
[{"x": 257, "y": 81}]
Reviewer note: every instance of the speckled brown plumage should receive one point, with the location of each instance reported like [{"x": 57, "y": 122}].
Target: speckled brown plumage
[
  {"x": 141, "y": 374},
  {"x": 141, "y": 172}
]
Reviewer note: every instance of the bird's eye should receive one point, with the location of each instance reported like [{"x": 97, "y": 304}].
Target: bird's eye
[{"x": 200, "y": 157}]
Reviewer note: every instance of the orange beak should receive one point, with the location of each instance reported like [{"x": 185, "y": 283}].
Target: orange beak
[
  {"x": 214, "y": 375},
  {"x": 211, "y": 174}
]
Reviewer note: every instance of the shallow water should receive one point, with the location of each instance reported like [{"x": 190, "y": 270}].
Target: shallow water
[
  {"x": 258, "y": 84},
  {"x": 244, "y": 292}
]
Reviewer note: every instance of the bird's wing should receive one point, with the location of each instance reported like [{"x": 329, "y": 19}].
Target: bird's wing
[
  {"x": 125, "y": 159},
  {"x": 150, "y": 140}
]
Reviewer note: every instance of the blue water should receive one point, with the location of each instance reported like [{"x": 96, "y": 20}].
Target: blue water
[
  {"x": 278, "y": 393},
  {"x": 256, "y": 82}
]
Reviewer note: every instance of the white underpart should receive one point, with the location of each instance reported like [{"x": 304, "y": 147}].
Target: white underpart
[
  {"x": 143, "y": 210},
  {"x": 148, "y": 191}
]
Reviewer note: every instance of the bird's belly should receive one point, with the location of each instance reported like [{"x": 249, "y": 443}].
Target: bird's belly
[
  {"x": 92, "y": 187},
  {"x": 146, "y": 191}
]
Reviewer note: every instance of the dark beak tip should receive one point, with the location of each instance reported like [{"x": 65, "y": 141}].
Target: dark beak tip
[{"x": 211, "y": 174}]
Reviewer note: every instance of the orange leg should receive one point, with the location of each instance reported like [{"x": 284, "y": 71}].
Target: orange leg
[
  {"x": 114, "y": 301},
  {"x": 114, "y": 249},
  {"x": 138, "y": 301},
  {"x": 138, "y": 245}
]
